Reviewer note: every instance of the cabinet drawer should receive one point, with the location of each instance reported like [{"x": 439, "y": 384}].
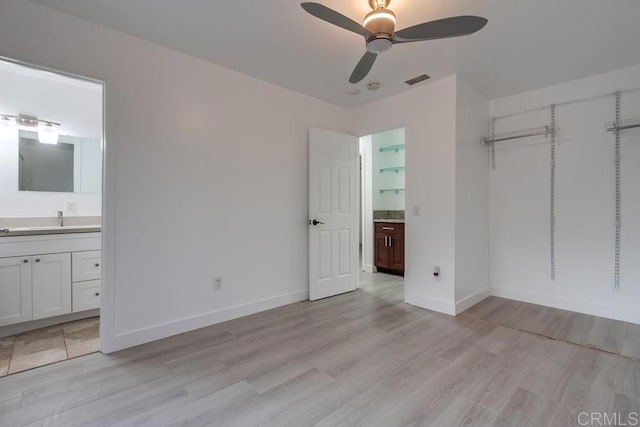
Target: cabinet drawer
[
  {"x": 86, "y": 265},
  {"x": 389, "y": 227},
  {"x": 86, "y": 295}
]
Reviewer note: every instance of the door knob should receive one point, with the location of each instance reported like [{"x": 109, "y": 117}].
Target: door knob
[{"x": 315, "y": 222}]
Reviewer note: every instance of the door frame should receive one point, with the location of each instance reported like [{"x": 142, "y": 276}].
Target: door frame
[
  {"x": 107, "y": 302},
  {"x": 371, "y": 224}
]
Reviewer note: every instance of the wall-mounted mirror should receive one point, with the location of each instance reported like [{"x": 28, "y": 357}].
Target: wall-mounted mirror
[{"x": 73, "y": 165}]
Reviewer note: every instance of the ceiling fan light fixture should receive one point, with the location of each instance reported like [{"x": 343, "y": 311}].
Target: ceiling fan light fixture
[
  {"x": 381, "y": 22},
  {"x": 377, "y": 4}
]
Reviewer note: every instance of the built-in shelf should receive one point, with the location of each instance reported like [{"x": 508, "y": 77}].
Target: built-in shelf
[
  {"x": 395, "y": 148},
  {"x": 391, "y": 190},
  {"x": 395, "y": 169}
]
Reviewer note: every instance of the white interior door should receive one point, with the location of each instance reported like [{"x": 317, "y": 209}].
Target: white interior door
[{"x": 333, "y": 213}]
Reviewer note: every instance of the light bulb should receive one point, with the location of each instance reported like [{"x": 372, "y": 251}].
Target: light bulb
[
  {"x": 381, "y": 22},
  {"x": 48, "y": 134},
  {"x": 380, "y": 14}
]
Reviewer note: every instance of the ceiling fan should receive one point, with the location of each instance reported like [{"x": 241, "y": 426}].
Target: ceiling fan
[{"x": 379, "y": 32}]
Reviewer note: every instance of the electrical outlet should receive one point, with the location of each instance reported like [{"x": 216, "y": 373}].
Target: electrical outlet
[
  {"x": 217, "y": 284},
  {"x": 70, "y": 207}
]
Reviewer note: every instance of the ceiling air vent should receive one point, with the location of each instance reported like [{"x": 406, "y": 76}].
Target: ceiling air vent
[{"x": 417, "y": 79}]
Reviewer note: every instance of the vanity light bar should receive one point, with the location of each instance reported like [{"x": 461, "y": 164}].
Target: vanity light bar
[{"x": 28, "y": 121}]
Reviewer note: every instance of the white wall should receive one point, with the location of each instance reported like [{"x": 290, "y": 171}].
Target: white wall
[
  {"x": 76, "y": 105},
  {"x": 472, "y": 197},
  {"x": 428, "y": 115},
  {"x": 585, "y": 201},
  {"x": 388, "y": 180},
  {"x": 206, "y": 176}
]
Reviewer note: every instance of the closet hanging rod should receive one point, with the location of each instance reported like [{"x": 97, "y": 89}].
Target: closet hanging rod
[
  {"x": 622, "y": 125},
  {"x": 542, "y": 130}
]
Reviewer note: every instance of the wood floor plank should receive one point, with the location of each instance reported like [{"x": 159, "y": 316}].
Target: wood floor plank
[
  {"x": 576, "y": 328},
  {"x": 363, "y": 358},
  {"x": 526, "y": 409},
  {"x": 551, "y": 375},
  {"x": 631, "y": 341},
  {"x": 463, "y": 412},
  {"x": 204, "y": 411},
  {"x": 503, "y": 380},
  {"x": 607, "y": 335}
]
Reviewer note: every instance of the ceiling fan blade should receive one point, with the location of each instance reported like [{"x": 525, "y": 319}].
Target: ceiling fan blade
[
  {"x": 335, "y": 18},
  {"x": 363, "y": 67},
  {"x": 440, "y": 29}
]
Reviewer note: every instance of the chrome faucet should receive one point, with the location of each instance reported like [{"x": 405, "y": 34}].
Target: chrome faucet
[{"x": 60, "y": 219}]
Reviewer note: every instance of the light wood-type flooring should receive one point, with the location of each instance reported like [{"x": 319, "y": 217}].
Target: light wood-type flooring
[{"x": 363, "y": 358}]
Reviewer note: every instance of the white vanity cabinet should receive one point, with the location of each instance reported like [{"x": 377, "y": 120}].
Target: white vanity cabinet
[
  {"x": 87, "y": 271},
  {"x": 15, "y": 290},
  {"x": 48, "y": 276},
  {"x": 51, "y": 285}
]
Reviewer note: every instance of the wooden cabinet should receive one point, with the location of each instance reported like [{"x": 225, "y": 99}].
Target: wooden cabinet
[
  {"x": 15, "y": 290},
  {"x": 389, "y": 247}
]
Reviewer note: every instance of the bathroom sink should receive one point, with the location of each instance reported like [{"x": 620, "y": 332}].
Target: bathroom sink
[{"x": 51, "y": 229}]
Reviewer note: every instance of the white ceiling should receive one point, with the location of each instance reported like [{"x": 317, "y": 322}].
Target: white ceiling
[{"x": 527, "y": 44}]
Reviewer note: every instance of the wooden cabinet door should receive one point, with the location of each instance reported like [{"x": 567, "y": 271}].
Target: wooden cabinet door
[
  {"x": 381, "y": 254},
  {"x": 15, "y": 290},
  {"x": 51, "y": 280},
  {"x": 396, "y": 253}
]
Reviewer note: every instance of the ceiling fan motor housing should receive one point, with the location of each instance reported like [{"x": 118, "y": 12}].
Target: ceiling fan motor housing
[{"x": 382, "y": 23}]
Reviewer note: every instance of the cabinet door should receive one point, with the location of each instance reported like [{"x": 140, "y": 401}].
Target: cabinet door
[
  {"x": 51, "y": 280},
  {"x": 86, "y": 265},
  {"x": 86, "y": 295},
  {"x": 397, "y": 252},
  {"x": 382, "y": 250},
  {"x": 15, "y": 290}
]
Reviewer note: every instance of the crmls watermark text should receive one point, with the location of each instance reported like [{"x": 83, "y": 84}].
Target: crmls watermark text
[{"x": 612, "y": 419}]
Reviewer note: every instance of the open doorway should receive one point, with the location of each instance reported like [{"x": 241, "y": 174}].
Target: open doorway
[
  {"x": 383, "y": 213},
  {"x": 51, "y": 199}
]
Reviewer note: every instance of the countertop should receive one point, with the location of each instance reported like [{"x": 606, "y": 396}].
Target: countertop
[
  {"x": 32, "y": 231},
  {"x": 392, "y": 221}
]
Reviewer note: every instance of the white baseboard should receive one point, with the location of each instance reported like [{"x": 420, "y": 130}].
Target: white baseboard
[
  {"x": 175, "y": 327},
  {"x": 367, "y": 268},
  {"x": 441, "y": 306},
  {"x": 471, "y": 300},
  {"x": 624, "y": 314}
]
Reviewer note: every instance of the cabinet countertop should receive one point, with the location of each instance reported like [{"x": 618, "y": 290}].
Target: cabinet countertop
[{"x": 31, "y": 231}]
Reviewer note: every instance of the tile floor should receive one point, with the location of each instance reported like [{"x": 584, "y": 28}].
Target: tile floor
[{"x": 48, "y": 345}]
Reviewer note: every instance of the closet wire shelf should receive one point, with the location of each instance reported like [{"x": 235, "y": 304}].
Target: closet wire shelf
[
  {"x": 622, "y": 125},
  {"x": 525, "y": 133}
]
